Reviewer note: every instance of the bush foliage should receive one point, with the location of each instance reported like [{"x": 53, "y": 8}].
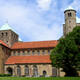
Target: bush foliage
[{"x": 5, "y": 75}]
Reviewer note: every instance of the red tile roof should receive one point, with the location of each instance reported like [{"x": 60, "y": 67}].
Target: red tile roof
[
  {"x": 28, "y": 59},
  {"x": 36, "y": 44},
  {"x": 1, "y": 42}
]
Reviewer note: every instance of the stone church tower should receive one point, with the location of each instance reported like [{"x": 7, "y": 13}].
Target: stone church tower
[
  {"x": 70, "y": 21},
  {"x": 7, "y": 35}
]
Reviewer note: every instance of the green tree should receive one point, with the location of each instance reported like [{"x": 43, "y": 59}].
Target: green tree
[{"x": 66, "y": 55}]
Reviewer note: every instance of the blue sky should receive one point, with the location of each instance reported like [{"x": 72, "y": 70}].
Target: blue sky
[{"x": 37, "y": 20}]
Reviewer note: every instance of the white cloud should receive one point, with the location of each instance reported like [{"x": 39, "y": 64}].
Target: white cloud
[
  {"x": 30, "y": 24},
  {"x": 44, "y": 4},
  {"x": 12, "y": 12},
  {"x": 77, "y": 19},
  {"x": 76, "y": 4}
]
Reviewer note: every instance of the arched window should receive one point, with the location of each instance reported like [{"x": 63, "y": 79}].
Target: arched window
[
  {"x": 44, "y": 73},
  {"x": 35, "y": 71},
  {"x": 26, "y": 70},
  {"x": 38, "y": 52},
  {"x": 28, "y": 51},
  {"x": 69, "y": 14},
  {"x": 23, "y": 52},
  {"x": 10, "y": 71},
  {"x": 14, "y": 53},
  {"x": 7, "y": 41},
  {"x": 6, "y": 33},
  {"x": 33, "y": 52},
  {"x": 2, "y": 34},
  {"x": 43, "y": 51},
  {"x": 48, "y": 51},
  {"x": 18, "y": 71},
  {"x": 18, "y": 53}
]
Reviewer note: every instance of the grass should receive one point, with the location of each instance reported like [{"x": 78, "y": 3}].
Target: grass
[{"x": 41, "y": 78}]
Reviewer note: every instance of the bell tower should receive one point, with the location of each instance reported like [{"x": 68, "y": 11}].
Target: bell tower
[
  {"x": 70, "y": 21},
  {"x": 7, "y": 35}
]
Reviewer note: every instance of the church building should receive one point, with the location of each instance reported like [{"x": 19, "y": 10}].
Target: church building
[{"x": 30, "y": 59}]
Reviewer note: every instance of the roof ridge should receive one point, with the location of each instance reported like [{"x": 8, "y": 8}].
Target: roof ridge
[
  {"x": 30, "y": 56},
  {"x": 36, "y": 44},
  {"x": 37, "y": 41}
]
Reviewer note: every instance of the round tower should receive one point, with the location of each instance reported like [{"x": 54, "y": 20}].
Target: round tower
[{"x": 70, "y": 20}]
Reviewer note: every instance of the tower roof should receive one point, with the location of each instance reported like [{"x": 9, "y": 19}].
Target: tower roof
[
  {"x": 6, "y": 26},
  {"x": 69, "y": 9}
]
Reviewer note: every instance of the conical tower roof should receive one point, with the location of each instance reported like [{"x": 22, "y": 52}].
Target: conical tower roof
[
  {"x": 6, "y": 26},
  {"x": 69, "y": 9}
]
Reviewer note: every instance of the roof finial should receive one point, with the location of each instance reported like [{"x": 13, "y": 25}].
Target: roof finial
[{"x": 7, "y": 21}]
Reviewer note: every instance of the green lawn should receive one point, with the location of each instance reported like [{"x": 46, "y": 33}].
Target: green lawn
[{"x": 50, "y": 78}]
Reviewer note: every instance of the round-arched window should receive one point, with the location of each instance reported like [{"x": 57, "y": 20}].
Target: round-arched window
[
  {"x": 18, "y": 70},
  {"x": 26, "y": 70},
  {"x": 44, "y": 73},
  {"x": 69, "y": 14},
  {"x": 35, "y": 71},
  {"x": 10, "y": 70}
]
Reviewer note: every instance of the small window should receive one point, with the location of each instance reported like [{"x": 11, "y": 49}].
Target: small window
[
  {"x": 48, "y": 51},
  {"x": 69, "y": 14},
  {"x": 43, "y": 52},
  {"x": 14, "y": 53},
  {"x": 18, "y": 53},
  {"x": 28, "y": 52},
  {"x": 7, "y": 41},
  {"x": 2, "y": 34},
  {"x": 38, "y": 52},
  {"x": 23, "y": 52},
  {"x": 33, "y": 52},
  {"x": 6, "y": 33}
]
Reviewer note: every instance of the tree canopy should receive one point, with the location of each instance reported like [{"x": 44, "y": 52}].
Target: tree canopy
[{"x": 66, "y": 54}]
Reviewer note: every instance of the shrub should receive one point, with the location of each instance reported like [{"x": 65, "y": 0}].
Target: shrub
[{"x": 5, "y": 75}]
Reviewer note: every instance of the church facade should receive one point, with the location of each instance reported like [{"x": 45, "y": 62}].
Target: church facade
[{"x": 31, "y": 59}]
